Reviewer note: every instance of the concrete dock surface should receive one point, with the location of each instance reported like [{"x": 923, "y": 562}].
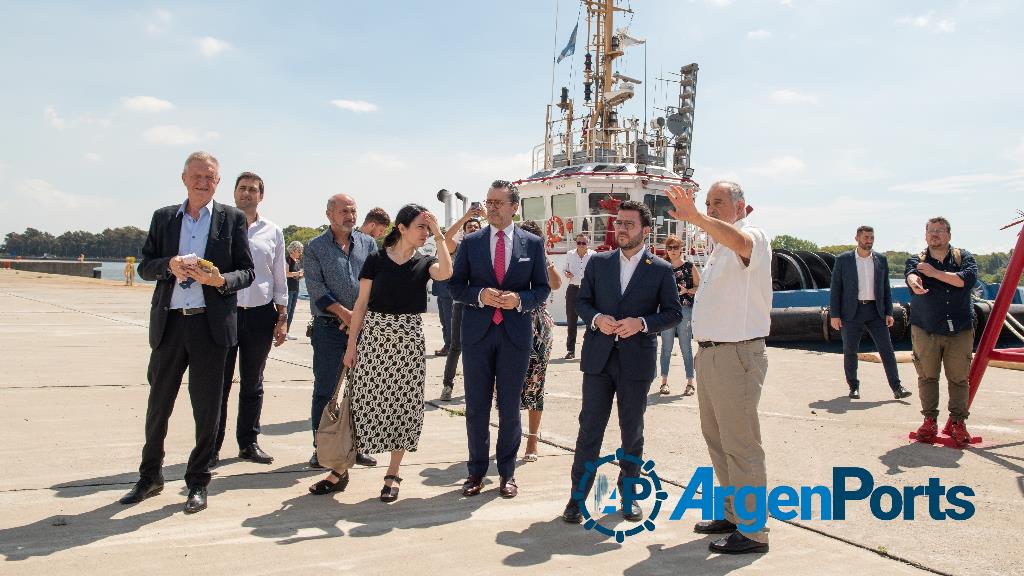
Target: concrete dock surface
[{"x": 73, "y": 389}]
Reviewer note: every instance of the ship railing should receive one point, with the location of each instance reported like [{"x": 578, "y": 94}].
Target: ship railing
[
  {"x": 561, "y": 233},
  {"x": 555, "y": 154}
]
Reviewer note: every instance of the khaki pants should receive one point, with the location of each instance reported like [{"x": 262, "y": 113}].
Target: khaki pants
[
  {"x": 729, "y": 382},
  {"x": 931, "y": 353}
]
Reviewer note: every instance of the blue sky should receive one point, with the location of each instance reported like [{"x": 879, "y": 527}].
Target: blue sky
[{"x": 830, "y": 114}]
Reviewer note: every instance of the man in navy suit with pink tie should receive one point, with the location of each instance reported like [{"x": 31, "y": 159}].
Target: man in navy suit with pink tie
[{"x": 500, "y": 275}]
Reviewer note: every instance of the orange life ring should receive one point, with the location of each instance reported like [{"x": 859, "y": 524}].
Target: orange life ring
[{"x": 555, "y": 235}]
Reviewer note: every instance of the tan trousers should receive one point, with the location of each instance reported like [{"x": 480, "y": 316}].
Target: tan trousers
[
  {"x": 729, "y": 382},
  {"x": 931, "y": 353}
]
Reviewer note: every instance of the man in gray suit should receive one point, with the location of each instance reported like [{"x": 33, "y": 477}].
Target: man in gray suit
[{"x": 861, "y": 298}]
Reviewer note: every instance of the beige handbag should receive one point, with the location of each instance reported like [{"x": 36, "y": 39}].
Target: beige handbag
[{"x": 336, "y": 436}]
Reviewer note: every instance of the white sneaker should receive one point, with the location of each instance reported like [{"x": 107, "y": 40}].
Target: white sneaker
[{"x": 290, "y": 337}]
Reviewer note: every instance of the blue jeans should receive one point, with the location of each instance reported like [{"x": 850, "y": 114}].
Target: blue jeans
[
  {"x": 684, "y": 331},
  {"x": 329, "y": 345},
  {"x": 444, "y": 311},
  {"x": 293, "y": 298}
]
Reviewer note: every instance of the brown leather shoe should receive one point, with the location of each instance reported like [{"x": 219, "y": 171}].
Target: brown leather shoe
[
  {"x": 508, "y": 488},
  {"x": 472, "y": 485}
]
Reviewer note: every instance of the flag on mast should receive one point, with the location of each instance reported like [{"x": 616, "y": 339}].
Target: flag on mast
[{"x": 570, "y": 48}]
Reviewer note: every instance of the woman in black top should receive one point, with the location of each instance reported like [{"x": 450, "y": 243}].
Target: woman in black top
[
  {"x": 388, "y": 355},
  {"x": 294, "y": 259},
  {"x": 687, "y": 280}
]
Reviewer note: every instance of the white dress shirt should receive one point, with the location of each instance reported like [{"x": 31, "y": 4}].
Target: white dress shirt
[
  {"x": 627, "y": 266},
  {"x": 865, "y": 276},
  {"x": 509, "y": 236},
  {"x": 734, "y": 301},
  {"x": 266, "y": 243},
  {"x": 577, "y": 265}
]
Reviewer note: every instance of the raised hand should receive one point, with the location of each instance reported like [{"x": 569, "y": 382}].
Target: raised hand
[{"x": 684, "y": 202}]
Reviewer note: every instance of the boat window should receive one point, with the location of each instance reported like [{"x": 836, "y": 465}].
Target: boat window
[
  {"x": 659, "y": 205},
  {"x": 594, "y": 208},
  {"x": 564, "y": 206},
  {"x": 533, "y": 209}
]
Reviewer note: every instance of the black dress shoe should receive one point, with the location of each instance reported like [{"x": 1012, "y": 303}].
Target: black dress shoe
[
  {"x": 254, "y": 453},
  {"x": 364, "y": 460},
  {"x": 634, "y": 513},
  {"x": 313, "y": 462},
  {"x": 737, "y": 543},
  {"x": 572, "y": 513},
  {"x": 901, "y": 393},
  {"x": 714, "y": 527},
  {"x": 570, "y": 355},
  {"x": 855, "y": 393},
  {"x": 196, "y": 500},
  {"x": 143, "y": 489},
  {"x": 472, "y": 485},
  {"x": 214, "y": 461}
]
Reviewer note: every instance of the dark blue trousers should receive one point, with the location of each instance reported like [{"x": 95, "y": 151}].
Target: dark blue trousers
[
  {"x": 613, "y": 383},
  {"x": 329, "y": 344},
  {"x": 867, "y": 318},
  {"x": 494, "y": 363}
]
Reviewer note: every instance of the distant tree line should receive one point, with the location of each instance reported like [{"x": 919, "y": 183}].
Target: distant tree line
[
  {"x": 991, "y": 267},
  {"x": 112, "y": 243}
]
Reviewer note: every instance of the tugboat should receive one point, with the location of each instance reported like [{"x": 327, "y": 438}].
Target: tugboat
[{"x": 593, "y": 157}]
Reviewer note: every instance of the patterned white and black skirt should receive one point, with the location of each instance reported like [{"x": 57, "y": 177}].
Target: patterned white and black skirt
[{"x": 387, "y": 385}]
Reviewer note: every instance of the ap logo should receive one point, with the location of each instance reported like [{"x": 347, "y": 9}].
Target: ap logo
[{"x": 632, "y": 490}]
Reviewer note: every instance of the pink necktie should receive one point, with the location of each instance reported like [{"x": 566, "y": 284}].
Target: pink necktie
[{"x": 499, "y": 270}]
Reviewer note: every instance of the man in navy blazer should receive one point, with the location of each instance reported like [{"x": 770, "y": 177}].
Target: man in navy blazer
[
  {"x": 500, "y": 275},
  {"x": 627, "y": 298},
  {"x": 861, "y": 298}
]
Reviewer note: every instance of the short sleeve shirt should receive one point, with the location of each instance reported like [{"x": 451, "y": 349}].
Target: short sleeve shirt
[
  {"x": 734, "y": 302},
  {"x": 397, "y": 288}
]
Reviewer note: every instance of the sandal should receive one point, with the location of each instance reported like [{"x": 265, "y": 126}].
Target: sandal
[
  {"x": 390, "y": 493},
  {"x": 530, "y": 456},
  {"x": 664, "y": 388},
  {"x": 325, "y": 486},
  {"x": 689, "y": 390}
]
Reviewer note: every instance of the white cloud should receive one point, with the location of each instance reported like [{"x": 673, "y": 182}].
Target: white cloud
[
  {"x": 212, "y": 47},
  {"x": 92, "y": 156},
  {"x": 146, "y": 104},
  {"x": 46, "y": 196},
  {"x": 854, "y": 165},
  {"x": 965, "y": 184},
  {"x": 780, "y": 167},
  {"x": 89, "y": 120},
  {"x": 927, "y": 21},
  {"x": 720, "y": 3},
  {"x": 758, "y": 35},
  {"x": 508, "y": 167},
  {"x": 382, "y": 161},
  {"x": 159, "y": 24},
  {"x": 793, "y": 97},
  {"x": 174, "y": 135},
  {"x": 53, "y": 119},
  {"x": 360, "y": 106},
  {"x": 786, "y": 3}
]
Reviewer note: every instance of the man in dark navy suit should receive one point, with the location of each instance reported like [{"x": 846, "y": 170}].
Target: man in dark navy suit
[
  {"x": 861, "y": 298},
  {"x": 627, "y": 298},
  {"x": 192, "y": 321},
  {"x": 500, "y": 275}
]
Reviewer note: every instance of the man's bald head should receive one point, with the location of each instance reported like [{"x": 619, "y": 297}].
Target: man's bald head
[{"x": 341, "y": 212}]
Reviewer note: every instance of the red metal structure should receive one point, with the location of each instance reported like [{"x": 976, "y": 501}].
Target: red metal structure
[{"x": 987, "y": 346}]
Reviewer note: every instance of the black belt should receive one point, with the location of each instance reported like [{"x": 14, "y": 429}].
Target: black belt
[
  {"x": 865, "y": 301},
  {"x": 333, "y": 320},
  {"x": 712, "y": 343},
  {"x": 191, "y": 311},
  {"x": 256, "y": 307}
]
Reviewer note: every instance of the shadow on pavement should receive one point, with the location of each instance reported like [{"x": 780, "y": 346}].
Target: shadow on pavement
[
  {"x": 541, "y": 540},
  {"x": 844, "y": 404},
  {"x": 694, "y": 555}
]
